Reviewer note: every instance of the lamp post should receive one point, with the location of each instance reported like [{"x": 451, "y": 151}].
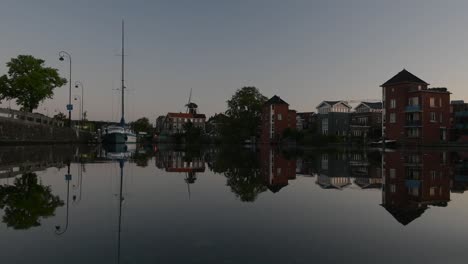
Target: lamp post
[
  {"x": 62, "y": 55},
  {"x": 77, "y": 97},
  {"x": 77, "y": 85}
]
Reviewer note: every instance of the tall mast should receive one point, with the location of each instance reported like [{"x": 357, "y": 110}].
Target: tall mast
[{"x": 122, "y": 120}]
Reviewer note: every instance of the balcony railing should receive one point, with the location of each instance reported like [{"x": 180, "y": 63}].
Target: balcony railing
[{"x": 413, "y": 108}]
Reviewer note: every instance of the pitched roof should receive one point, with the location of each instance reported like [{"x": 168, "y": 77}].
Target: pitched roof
[
  {"x": 372, "y": 105},
  {"x": 332, "y": 103},
  {"x": 275, "y": 100},
  {"x": 402, "y": 77}
]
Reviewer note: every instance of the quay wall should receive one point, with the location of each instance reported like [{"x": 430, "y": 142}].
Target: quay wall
[{"x": 13, "y": 131}]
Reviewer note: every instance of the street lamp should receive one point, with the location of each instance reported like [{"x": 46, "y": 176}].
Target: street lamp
[
  {"x": 62, "y": 55},
  {"x": 77, "y": 85},
  {"x": 77, "y": 97}
]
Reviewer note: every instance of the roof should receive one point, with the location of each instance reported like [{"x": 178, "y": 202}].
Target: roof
[
  {"x": 332, "y": 103},
  {"x": 405, "y": 214},
  {"x": 186, "y": 115},
  {"x": 403, "y": 77},
  {"x": 372, "y": 105},
  {"x": 275, "y": 100}
]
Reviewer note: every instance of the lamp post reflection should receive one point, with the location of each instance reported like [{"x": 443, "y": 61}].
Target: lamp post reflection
[
  {"x": 58, "y": 229},
  {"x": 79, "y": 186}
]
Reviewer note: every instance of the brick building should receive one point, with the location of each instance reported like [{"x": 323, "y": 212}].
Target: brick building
[
  {"x": 306, "y": 121},
  {"x": 414, "y": 113},
  {"x": 275, "y": 169},
  {"x": 276, "y": 118},
  {"x": 414, "y": 181}
]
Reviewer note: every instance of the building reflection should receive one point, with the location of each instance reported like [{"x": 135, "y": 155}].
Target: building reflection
[
  {"x": 365, "y": 168},
  {"x": 333, "y": 171},
  {"x": 460, "y": 174},
  {"x": 276, "y": 170},
  {"x": 413, "y": 182},
  {"x": 178, "y": 161}
]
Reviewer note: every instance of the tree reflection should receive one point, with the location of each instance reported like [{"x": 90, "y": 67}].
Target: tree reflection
[
  {"x": 26, "y": 201},
  {"x": 242, "y": 171}
]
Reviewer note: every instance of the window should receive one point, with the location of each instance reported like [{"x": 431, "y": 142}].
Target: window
[
  {"x": 431, "y": 102},
  {"x": 392, "y": 103},
  {"x": 440, "y": 102},
  {"x": 441, "y": 117},
  {"x": 392, "y": 173},
  {"x": 393, "y": 188},
  {"x": 433, "y": 175},
  {"x": 433, "y": 117},
  {"x": 413, "y": 132},
  {"x": 432, "y": 191},
  {"x": 413, "y": 101},
  {"x": 280, "y": 117},
  {"x": 392, "y": 118}
]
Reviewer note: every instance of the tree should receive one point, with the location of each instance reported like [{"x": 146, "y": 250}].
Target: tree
[
  {"x": 244, "y": 114},
  {"x": 142, "y": 125},
  {"x": 60, "y": 116},
  {"x": 26, "y": 201},
  {"x": 242, "y": 171},
  {"x": 192, "y": 133},
  {"x": 29, "y": 82}
]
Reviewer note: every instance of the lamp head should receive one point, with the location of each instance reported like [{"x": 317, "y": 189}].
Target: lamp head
[
  {"x": 76, "y": 85},
  {"x": 61, "y": 58}
]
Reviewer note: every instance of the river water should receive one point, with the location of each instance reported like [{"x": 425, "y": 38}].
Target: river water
[{"x": 159, "y": 204}]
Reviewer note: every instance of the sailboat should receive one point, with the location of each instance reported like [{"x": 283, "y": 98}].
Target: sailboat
[{"x": 120, "y": 134}]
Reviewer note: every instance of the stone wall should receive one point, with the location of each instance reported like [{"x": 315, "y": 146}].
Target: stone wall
[{"x": 14, "y": 131}]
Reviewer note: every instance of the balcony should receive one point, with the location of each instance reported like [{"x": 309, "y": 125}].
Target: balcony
[
  {"x": 412, "y": 183},
  {"x": 413, "y": 123},
  {"x": 461, "y": 114},
  {"x": 413, "y": 108}
]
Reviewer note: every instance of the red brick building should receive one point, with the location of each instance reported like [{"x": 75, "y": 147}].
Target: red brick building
[
  {"x": 275, "y": 169},
  {"x": 414, "y": 113},
  {"x": 414, "y": 181},
  {"x": 276, "y": 118}
]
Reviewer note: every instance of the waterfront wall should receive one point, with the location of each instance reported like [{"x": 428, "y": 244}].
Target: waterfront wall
[{"x": 13, "y": 131}]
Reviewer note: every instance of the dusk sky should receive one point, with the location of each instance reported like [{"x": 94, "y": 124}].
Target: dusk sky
[{"x": 303, "y": 51}]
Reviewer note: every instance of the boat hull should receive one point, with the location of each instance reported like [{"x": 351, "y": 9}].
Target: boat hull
[{"x": 118, "y": 138}]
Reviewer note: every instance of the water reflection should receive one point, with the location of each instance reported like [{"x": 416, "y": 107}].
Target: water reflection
[
  {"x": 27, "y": 201},
  {"x": 236, "y": 184}
]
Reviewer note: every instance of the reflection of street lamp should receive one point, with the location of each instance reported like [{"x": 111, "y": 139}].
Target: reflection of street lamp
[
  {"x": 77, "y": 85},
  {"x": 80, "y": 183},
  {"x": 62, "y": 55},
  {"x": 58, "y": 228},
  {"x": 77, "y": 97}
]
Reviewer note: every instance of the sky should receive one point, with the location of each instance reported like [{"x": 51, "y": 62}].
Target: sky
[{"x": 303, "y": 51}]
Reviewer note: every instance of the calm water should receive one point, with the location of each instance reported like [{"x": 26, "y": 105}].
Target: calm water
[{"x": 84, "y": 204}]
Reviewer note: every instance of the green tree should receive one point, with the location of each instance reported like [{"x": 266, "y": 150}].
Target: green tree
[
  {"x": 29, "y": 82},
  {"x": 60, "y": 116},
  {"x": 242, "y": 171},
  {"x": 142, "y": 125},
  {"x": 26, "y": 201},
  {"x": 192, "y": 133},
  {"x": 244, "y": 114}
]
